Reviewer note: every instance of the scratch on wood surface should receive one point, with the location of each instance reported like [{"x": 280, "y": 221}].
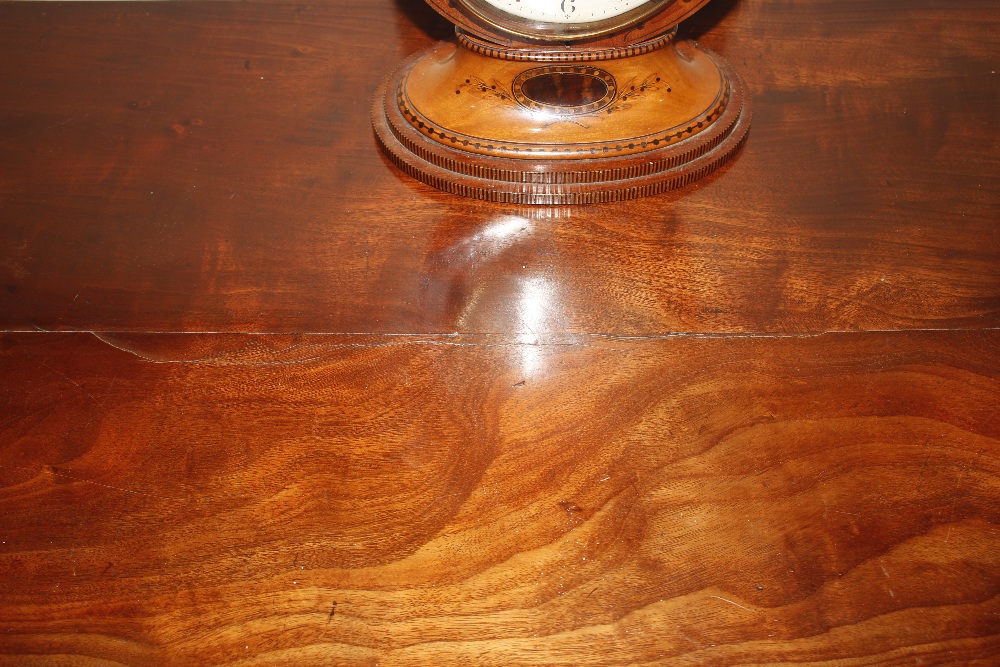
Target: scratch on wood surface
[
  {"x": 224, "y": 358},
  {"x": 72, "y": 381},
  {"x": 89, "y": 481},
  {"x": 81, "y": 480},
  {"x": 718, "y": 597}
]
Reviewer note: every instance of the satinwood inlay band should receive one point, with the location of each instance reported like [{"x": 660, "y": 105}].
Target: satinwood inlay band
[{"x": 494, "y": 147}]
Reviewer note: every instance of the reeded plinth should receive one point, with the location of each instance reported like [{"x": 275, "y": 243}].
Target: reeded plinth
[{"x": 561, "y": 126}]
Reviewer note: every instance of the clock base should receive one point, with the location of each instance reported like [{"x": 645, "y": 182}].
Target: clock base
[{"x": 561, "y": 126}]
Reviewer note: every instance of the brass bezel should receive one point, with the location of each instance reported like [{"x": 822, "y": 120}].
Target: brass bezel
[{"x": 541, "y": 30}]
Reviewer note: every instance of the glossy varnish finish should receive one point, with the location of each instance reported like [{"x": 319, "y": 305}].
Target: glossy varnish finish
[
  {"x": 368, "y": 501},
  {"x": 211, "y": 167},
  {"x": 265, "y": 401}
]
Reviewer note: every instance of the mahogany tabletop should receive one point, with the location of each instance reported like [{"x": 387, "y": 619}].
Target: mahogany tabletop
[{"x": 264, "y": 400}]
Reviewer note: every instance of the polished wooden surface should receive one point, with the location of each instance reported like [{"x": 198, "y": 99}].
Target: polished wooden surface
[
  {"x": 210, "y": 167},
  {"x": 264, "y": 400}
]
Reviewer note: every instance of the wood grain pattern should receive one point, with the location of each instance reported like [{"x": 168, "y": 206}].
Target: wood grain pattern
[
  {"x": 470, "y": 501},
  {"x": 302, "y": 410},
  {"x": 210, "y": 167}
]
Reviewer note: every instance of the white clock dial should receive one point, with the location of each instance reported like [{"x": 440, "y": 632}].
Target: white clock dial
[{"x": 566, "y": 11}]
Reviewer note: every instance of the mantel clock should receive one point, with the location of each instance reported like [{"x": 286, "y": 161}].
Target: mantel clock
[{"x": 562, "y": 102}]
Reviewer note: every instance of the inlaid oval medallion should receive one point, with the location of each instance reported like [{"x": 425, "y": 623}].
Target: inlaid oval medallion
[{"x": 564, "y": 90}]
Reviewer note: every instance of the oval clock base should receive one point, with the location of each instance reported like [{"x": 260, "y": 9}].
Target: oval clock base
[{"x": 561, "y": 127}]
